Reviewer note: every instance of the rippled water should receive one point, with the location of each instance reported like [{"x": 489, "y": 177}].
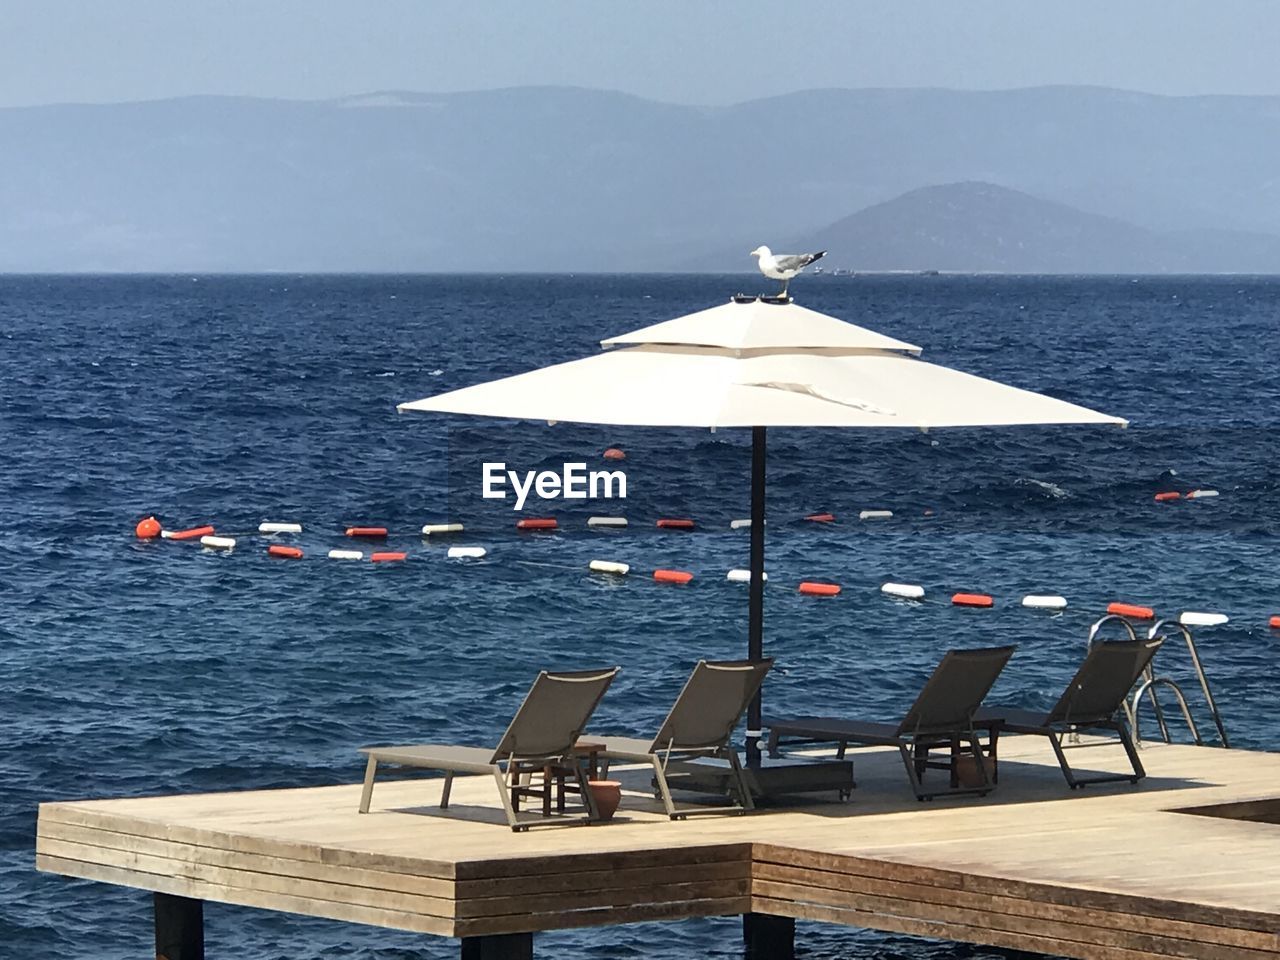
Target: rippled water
[{"x": 134, "y": 668}]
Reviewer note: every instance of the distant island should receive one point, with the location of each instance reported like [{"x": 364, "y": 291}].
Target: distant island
[{"x": 1052, "y": 179}]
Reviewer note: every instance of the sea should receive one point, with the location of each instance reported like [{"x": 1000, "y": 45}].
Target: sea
[{"x": 132, "y": 667}]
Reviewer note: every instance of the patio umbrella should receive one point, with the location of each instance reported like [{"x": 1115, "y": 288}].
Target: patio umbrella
[{"x": 758, "y": 364}]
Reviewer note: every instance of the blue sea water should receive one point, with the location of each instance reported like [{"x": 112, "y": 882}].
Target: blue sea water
[{"x": 144, "y": 668}]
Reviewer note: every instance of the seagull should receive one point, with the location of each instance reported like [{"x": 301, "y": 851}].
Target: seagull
[{"x": 784, "y": 266}]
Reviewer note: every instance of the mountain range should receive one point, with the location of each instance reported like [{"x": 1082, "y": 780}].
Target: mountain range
[{"x": 1058, "y": 179}]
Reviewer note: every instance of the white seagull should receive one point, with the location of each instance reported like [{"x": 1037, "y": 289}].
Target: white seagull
[{"x": 783, "y": 266}]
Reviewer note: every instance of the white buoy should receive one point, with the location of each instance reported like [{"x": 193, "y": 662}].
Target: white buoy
[
  {"x": 606, "y": 521},
  {"x": 279, "y": 528},
  {"x": 739, "y": 524},
  {"x": 1201, "y": 494},
  {"x": 218, "y": 543},
  {"x": 1044, "y": 602},
  {"x": 1192, "y": 619},
  {"x": 467, "y": 553},
  {"x": 743, "y": 576},
  {"x": 608, "y": 566},
  {"x": 908, "y": 591},
  {"x": 430, "y": 528},
  {"x": 875, "y": 514},
  {"x": 346, "y": 555}
]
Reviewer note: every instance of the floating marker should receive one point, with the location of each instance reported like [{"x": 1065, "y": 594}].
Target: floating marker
[
  {"x": 875, "y": 514},
  {"x": 1190, "y": 618},
  {"x": 387, "y": 556},
  {"x": 536, "y": 523},
  {"x": 1130, "y": 610},
  {"x": 670, "y": 524},
  {"x": 1201, "y": 494},
  {"x": 346, "y": 555},
  {"x": 972, "y": 600},
  {"x": 218, "y": 543},
  {"x": 672, "y": 576},
  {"x": 1044, "y": 602},
  {"x": 908, "y": 591},
  {"x": 821, "y": 517},
  {"x": 279, "y": 528},
  {"x": 467, "y": 553},
  {"x": 608, "y": 566},
  {"x": 195, "y": 533},
  {"x": 819, "y": 589},
  {"x": 1274, "y": 623},
  {"x": 606, "y": 521},
  {"x": 434, "y": 528},
  {"x": 743, "y": 576},
  {"x": 285, "y": 553},
  {"x": 148, "y": 528},
  {"x": 366, "y": 531},
  {"x": 739, "y": 524},
  {"x": 1167, "y": 497},
  {"x": 613, "y": 453}
]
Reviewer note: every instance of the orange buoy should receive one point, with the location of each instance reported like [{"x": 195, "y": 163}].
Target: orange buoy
[
  {"x": 535, "y": 523},
  {"x": 1275, "y": 623},
  {"x": 147, "y": 529},
  {"x": 674, "y": 524},
  {"x": 1131, "y": 610},
  {"x": 1166, "y": 497},
  {"x": 672, "y": 576},
  {"x": 287, "y": 553},
  {"x": 972, "y": 600},
  {"x": 819, "y": 589},
  {"x": 366, "y": 531},
  {"x": 613, "y": 453},
  {"x": 387, "y": 556},
  {"x": 821, "y": 517},
  {"x": 195, "y": 533}
]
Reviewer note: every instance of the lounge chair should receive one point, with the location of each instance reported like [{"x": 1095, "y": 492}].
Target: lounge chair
[
  {"x": 941, "y": 717},
  {"x": 541, "y": 737},
  {"x": 699, "y": 727},
  {"x": 1093, "y": 700}
]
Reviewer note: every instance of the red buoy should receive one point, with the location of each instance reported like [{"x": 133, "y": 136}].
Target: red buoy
[
  {"x": 1275, "y": 623},
  {"x": 536, "y": 523},
  {"x": 366, "y": 531},
  {"x": 819, "y": 589},
  {"x": 973, "y": 600},
  {"x": 195, "y": 533},
  {"x": 672, "y": 576},
  {"x": 821, "y": 517},
  {"x": 147, "y": 529},
  {"x": 387, "y": 556},
  {"x": 1131, "y": 610},
  {"x": 1166, "y": 497},
  {"x": 286, "y": 553},
  {"x": 613, "y": 453},
  {"x": 675, "y": 524}
]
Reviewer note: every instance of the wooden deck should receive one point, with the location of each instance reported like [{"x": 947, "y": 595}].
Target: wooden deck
[{"x": 1111, "y": 872}]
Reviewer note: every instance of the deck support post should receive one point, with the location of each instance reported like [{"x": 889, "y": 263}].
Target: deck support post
[
  {"x": 179, "y": 927},
  {"x": 498, "y": 946},
  {"x": 766, "y": 937}
]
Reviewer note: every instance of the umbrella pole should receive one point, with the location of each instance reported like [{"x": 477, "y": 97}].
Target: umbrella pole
[{"x": 755, "y": 620}]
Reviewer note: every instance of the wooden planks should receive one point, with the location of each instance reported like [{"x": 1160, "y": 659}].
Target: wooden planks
[{"x": 1113, "y": 873}]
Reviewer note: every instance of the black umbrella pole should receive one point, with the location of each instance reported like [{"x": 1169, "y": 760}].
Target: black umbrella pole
[{"x": 755, "y": 621}]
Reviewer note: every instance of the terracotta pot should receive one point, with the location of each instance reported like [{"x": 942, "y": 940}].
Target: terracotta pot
[
  {"x": 607, "y": 795},
  {"x": 967, "y": 773}
]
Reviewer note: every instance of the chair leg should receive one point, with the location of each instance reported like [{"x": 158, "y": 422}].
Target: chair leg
[
  {"x": 448, "y": 786},
  {"x": 745, "y": 799},
  {"x": 1139, "y": 771},
  {"x": 504, "y": 792},
  {"x": 661, "y": 777},
  {"x": 908, "y": 761},
  {"x": 584, "y": 788},
  {"x": 1062, "y": 760},
  {"x": 370, "y": 771}
]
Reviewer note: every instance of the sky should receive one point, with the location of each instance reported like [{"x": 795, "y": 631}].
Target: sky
[{"x": 690, "y": 51}]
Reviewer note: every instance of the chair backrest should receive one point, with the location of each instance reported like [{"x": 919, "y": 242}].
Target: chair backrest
[
  {"x": 948, "y": 700},
  {"x": 553, "y": 714},
  {"x": 1104, "y": 679},
  {"x": 712, "y": 701}
]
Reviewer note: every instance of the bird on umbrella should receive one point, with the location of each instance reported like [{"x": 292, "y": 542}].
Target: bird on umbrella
[{"x": 783, "y": 266}]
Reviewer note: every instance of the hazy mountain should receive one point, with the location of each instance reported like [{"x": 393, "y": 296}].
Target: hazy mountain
[
  {"x": 564, "y": 179},
  {"x": 983, "y": 227}
]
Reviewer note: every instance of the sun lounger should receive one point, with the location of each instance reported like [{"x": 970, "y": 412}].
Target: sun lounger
[
  {"x": 541, "y": 737},
  {"x": 1093, "y": 700},
  {"x": 699, "y": 727},
  {"x": 941, "y": 717}
]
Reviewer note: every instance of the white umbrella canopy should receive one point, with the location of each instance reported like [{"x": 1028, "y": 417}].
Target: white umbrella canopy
[{"x": 759, "y": 364}]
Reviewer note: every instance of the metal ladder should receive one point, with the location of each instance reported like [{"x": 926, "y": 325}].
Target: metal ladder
[{"x": 1151, "y": 683}]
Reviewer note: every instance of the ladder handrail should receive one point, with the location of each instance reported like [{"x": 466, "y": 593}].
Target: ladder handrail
[{"x": 1160, "y": 629}]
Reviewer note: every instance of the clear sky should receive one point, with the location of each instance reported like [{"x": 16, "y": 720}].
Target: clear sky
[{"x": 685, "y": 51}]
